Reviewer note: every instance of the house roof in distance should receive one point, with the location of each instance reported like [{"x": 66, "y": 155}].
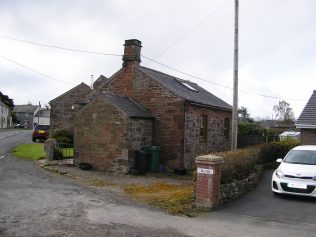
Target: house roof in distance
[
  {"x": 187, "y": 90},
  {"x": 3, "y": 105},
  {"x": 69, "y": 91},
  {"x": 307, "y": 118},
  {"x": 101, "y": 79},
  {"x": 128, "y": 106},
  {"x": 25, "y": 108}
]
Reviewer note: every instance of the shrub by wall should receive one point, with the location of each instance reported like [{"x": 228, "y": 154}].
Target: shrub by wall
[
  {"x": 63, "y": 136},
  {"x": 243, "y": 168},
  {"x": 239, "y": 164},
  {"x": 271, "y": 151}
]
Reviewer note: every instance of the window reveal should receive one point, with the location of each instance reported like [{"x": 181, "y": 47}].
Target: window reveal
[
  {"x": 226, "y": 127},
  {"x": 204, "y": 127}
]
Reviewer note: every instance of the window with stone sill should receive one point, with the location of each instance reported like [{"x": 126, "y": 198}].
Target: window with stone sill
[{"x": 203, "y": 127}]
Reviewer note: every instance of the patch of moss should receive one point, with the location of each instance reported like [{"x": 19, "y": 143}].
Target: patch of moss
[{"x": 176, "y": 199}]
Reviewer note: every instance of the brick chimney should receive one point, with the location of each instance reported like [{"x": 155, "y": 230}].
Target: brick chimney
[{"x": 131, "y": 55}]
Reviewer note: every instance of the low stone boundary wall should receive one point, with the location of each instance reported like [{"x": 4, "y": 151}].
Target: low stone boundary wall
[{"x": 236, "y": 189}]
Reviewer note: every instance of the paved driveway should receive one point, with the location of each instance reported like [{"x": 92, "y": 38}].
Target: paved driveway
[{"x": 263, "y": 204}]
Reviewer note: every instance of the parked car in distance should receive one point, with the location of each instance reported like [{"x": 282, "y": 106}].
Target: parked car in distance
[
  {"x": 18, "y": 126},
  {"x": 296, "y": 174},
  {"x": 41, "y": 132}
]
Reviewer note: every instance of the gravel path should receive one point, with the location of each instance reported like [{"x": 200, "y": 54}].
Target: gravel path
[{"x": 110, "y": 179}]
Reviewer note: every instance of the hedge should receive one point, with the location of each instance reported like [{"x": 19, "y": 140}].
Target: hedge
[
  {"x": 240, "y": 163},
  {"x": 63, "y": 136}
]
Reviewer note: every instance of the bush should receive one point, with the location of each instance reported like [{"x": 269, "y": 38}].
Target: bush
[
  {"x": 63, "y": 136},
  {"x": 63, "y": 140},
  {"x": 240, "y": 163},
  {"x": 250, "y": 128},
  {"x": 269, "y": 152}
]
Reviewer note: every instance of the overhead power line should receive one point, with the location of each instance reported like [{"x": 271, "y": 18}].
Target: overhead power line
[
  {"x": 33, "y": 70},
  {"x": 217, "y": 84},
  {"x": 191, "y": 30},
  {"x": 106, "y": 54},
  {"x": 59, "y": 47},
  {"x": 184, "y": 73}
]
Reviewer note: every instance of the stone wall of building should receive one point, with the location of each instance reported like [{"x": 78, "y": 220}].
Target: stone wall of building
[
  {"x": 62, "y": 114},
  {"x": 100, "y": 137},
  {"x": 140, "y": 132},
  {"x": 216, "y": 139},
  {"x": 105, "y": 137},
  {"x": 308, "y": 136},
  {"x": 166, "y": 107}
]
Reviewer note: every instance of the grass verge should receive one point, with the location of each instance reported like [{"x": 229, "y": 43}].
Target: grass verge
[
  {"x": 176, "y": 199},
  {"x": 33, "y": 151}
]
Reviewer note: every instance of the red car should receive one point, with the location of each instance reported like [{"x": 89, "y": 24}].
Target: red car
[{"x": 41, "y": 132}]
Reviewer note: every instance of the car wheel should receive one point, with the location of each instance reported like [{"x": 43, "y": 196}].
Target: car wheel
[{"x": 34, "y": 139}]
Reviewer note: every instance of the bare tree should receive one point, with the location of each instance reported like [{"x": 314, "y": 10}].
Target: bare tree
[{"x": 283, "y": 111}]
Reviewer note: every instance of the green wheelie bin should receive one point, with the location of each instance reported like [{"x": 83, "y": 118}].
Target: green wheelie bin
[{"x": 154, "y": 160}]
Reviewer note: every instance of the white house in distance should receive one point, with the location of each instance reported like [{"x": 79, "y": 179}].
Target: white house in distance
[
  {"x": 5, "y": 118},
  {"x": 41, "y": 116},
  {"x": 24, "y": 114}
]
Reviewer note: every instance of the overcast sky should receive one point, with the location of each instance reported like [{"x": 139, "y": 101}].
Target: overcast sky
[{"x": 277, "y": 49}]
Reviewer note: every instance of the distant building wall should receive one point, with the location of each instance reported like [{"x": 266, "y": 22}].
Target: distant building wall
[
  {"x": 308, "y": 136},
  {"x": 41, "y": 120},
  {"x": 62, "y": 114},
  {"x": 4, "y": 117}
]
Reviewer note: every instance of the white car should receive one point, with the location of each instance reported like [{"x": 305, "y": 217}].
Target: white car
[{"x": 296, "y": 173}]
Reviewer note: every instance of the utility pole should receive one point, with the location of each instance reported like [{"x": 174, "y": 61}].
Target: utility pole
[{"x": 235, "y": 93}]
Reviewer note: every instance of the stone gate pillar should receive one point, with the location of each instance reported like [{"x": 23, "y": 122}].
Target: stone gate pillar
[
  {"x": 49, "y": 149},
  {"x": 208, "y": 181}
]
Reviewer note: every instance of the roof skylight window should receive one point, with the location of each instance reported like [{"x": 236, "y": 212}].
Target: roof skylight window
[{"x": 188, "y": 86}]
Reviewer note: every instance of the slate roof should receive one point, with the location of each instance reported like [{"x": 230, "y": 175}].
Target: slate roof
[
  {"x": 276, "y": 124},
  {"x": 195, "y": 94},
  {"x": 308, "y": 115},
  {"x": 129, "y": 107},
  {"x": 25, "y": 108},
  {"x": 44, "y": 113}
]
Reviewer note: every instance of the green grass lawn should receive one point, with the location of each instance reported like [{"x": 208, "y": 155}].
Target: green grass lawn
[{"x": 33, "y": 151}]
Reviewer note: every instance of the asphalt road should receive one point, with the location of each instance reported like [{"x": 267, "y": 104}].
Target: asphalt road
[
  {"x": 263, "y": 204},
  {"x": 34, "y": 202}
]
